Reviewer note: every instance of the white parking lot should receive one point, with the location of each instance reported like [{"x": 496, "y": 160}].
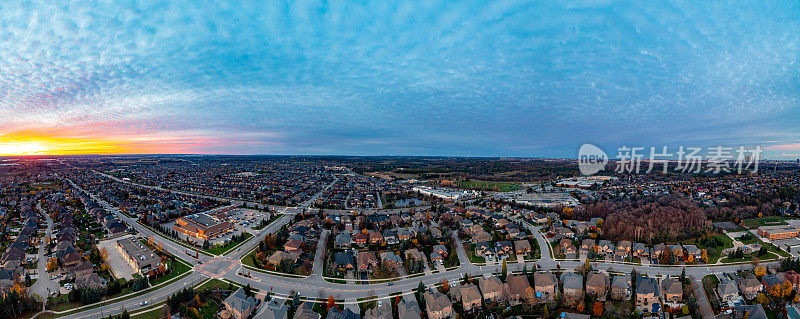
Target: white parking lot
[{"x": 119, "y": 267}]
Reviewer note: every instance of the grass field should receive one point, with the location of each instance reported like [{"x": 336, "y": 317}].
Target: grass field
[
  {"x": 713, "y": 253},
  {"x": 765, "y": 221},
  {"x": 221, "y": 249},
  {"x": 489, "y": 186}
]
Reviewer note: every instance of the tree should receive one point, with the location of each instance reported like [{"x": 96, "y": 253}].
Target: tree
[
  {"x": 683, "y": 275},
  {"x": 762, "y": 298},
  {"x": 760, "y": 271},
  {"x": 331, "y": 303},
  {"x": 505, "y": 270},
  {"x": 52, "y": 265},
  {"x": 580, "y": 307},
  {"x": 598, "y": 309}
]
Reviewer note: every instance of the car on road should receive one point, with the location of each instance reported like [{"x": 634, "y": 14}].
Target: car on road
[
  {"x": 390, "y": 283},
  {"x": 143, "y": 303}
]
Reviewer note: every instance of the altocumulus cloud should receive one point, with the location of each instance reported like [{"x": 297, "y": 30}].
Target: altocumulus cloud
[{"x": 379, "y": 77}]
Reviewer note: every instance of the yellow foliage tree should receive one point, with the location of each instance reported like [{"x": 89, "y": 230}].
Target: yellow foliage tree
[
  {"x": 786, "y": 289},
  {"x": 762, "y": 298},
  {"x": 704, "y": 255},
  {"x": 760, "y": 270},
  {"x": 52, "y": 265},
  {"x": 689, "y": 258}
]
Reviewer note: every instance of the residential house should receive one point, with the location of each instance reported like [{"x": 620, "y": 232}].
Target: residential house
[
  {"x": 275, "y": 310},
  {"x": 770, "y": 281},
  {"x": 367, "y": 261},
  {"x": 658, "y": 250},
  {"x": 692, "y": 250},
  {"x": 640, "y": 250},
  {"x": 344, "y": 261},
  {"x": 672, "y": 291},
  {"x": 519, "y": 289},
  {"x": 522, "y": 247},
  {"x": 567, "y": 248},
  {"x": 793, "y": 278},
  {"x": 647, "y": 295},
  {"x": 441, "y": 250},
  {"x": 240, "y": 305},
  {"x": 605, "y": 247},
  {"x": 438, "y": 305},
  {"x": 360, "y": 239},
  {"x": 597, "y": 285},
  {"x": 480, "y": 236},
  {"x": 503, "y": 249},
  {"x": 375, "y": 238},
  {"x": 305, "y": 311},
  {"x": 545, "y": 285},
  {"x": 572, "y": 285},
  {"x": 491, "y": 288},
  {"x": 750, "y": 286},
  {"x": 727, "y": 290},
  {"x": 470, "y": 297},
  {"x": 621, "y": 287},
  {"x": 587, "y": 246},
  {"x": 382, "y": 311},
  {"x": 408, "y": 309},
  {"x": 749, "y": 312},
  {"x": 390, "y": 237},
  {"x": 343, "y": 240},
  {"x": 334, "y": 313},
  {"x": 293, "y": 247},
  {"x": 676, "y": 250},
  {"x": 623, "y": 249}
]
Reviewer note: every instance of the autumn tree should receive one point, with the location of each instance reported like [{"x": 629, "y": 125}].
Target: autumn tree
[
  {"x": 598, "y": 309},
  {"x": 331, "y": 303},
  {"x": 760, "y": 271},
  {"x": 52, "y": 265}
]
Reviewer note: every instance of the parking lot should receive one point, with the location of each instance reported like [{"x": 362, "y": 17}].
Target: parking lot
[{"x": 119, "y": 267}]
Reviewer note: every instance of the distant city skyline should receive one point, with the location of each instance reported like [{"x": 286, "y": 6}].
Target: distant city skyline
[{"x": 449, "y": 78}]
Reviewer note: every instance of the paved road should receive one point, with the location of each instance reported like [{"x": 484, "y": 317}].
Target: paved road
[
  {"x": 319, "y": 256},
  {"x": 43, "y": 286},
  {"x": 702, "y": 300}
]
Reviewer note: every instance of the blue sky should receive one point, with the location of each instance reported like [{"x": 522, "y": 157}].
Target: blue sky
[{"x": 472, "y": 78}]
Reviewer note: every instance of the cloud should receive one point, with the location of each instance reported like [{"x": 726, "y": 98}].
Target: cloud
[{"x": 436, "y": 78}]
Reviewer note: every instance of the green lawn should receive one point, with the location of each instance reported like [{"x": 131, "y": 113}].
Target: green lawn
[
  {"x": 765, "y": 221},
  {"x": 714, "y": 253},
  {"x": 489, "y": 186},
  {"x": 221, "y": 249},
  {"x": 179, "y": 268},
  {"x": 214, "y": 284},
  {"x": 271, "y": 220},
  {"x": 154, "y": 313}
]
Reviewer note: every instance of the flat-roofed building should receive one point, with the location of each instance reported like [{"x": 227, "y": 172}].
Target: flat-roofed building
[
  {"x": 138, "y": 256},
  {"x": 777, "y": 232},
  {"x": 202, "y": 225}
]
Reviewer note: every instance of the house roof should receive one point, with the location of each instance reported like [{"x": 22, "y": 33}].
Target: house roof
[
  {"x": 518, "y": 284},
  {"x": 240, "y": 301},
  {"x": 646, "y": 285}
]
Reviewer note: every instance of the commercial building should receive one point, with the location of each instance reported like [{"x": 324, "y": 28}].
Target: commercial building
[
  {"x": 138, "y": 256},
  {"x": 202, "y": 225},
  {"x": 446, "y": 194},
  {"x": 777, "y": 232}
]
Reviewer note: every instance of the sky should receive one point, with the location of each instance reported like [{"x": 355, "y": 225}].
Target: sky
[{"x": 462, "y": 78}]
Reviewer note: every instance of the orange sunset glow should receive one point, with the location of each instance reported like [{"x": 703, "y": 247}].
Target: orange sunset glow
[{"x": 37, "y": 143}]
